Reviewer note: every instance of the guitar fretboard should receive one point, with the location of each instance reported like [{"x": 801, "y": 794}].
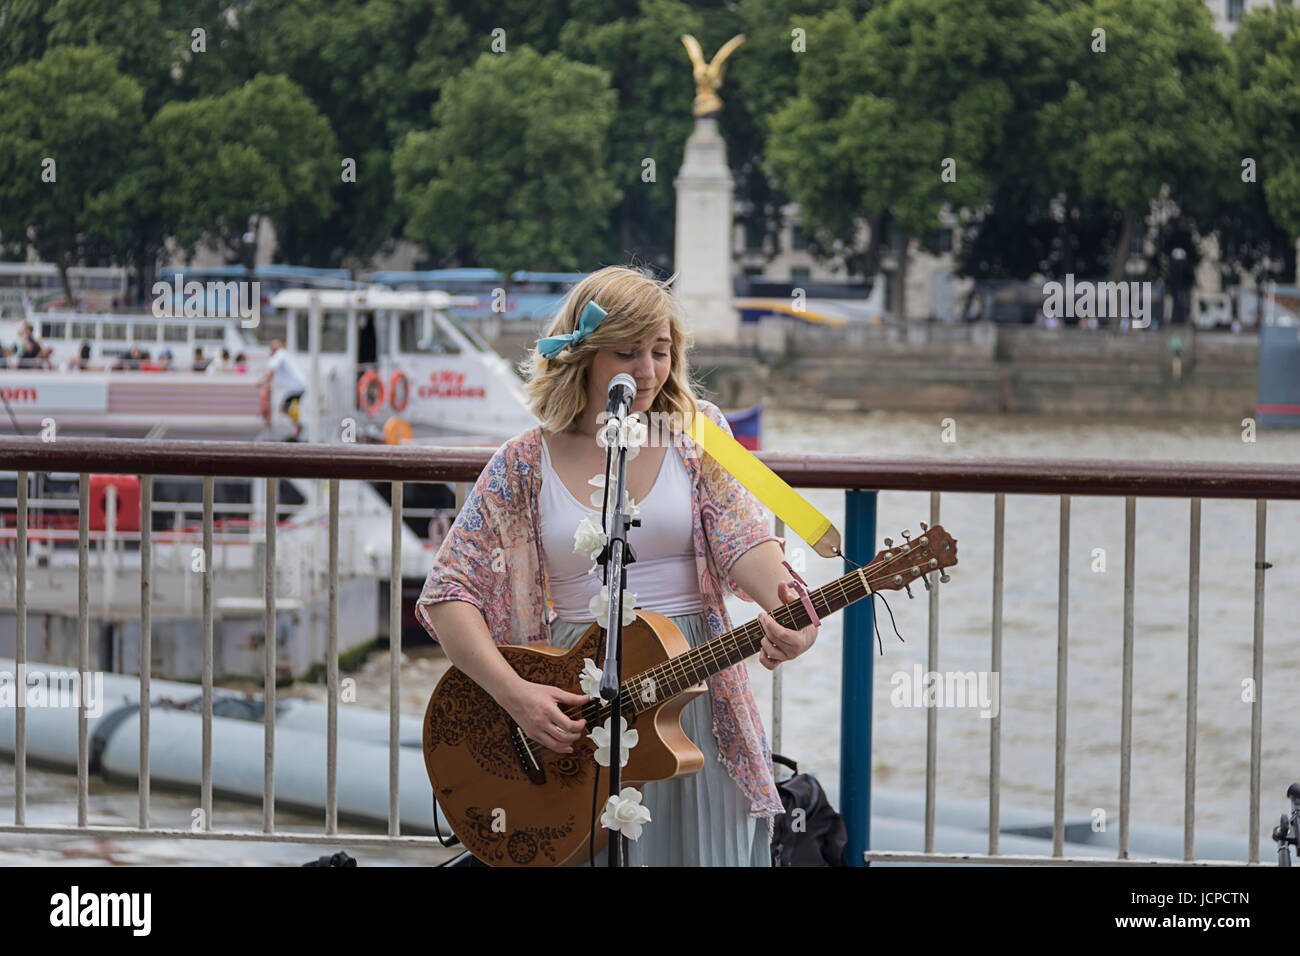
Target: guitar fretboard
[
  {"x": 892, "y": 569},
  {"x": 665, "y": 681}
]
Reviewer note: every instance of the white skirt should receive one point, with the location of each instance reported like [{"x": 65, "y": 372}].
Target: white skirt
[{"x": 700, "y": 820}]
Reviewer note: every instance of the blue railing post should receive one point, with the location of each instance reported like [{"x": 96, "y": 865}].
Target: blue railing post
[{"x": 858, "y": 660}]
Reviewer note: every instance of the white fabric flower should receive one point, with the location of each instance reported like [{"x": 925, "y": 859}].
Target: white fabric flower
[
  {"x": 625, "y": 813},
  {"x": 601, "y": 737},
  {"x": 599, "y": 606},
  {"x": 632, "y": 435},
  {"x": 590, "y": 679},
  {"x": 599, "y": 496},
  {"x": 590, "y": 538}
]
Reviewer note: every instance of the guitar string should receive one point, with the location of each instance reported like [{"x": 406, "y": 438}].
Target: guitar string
[
  {"x": 680, "y": 672},
  {"x": 683, "y": 668},
  {"x": 676, "y": 667}
]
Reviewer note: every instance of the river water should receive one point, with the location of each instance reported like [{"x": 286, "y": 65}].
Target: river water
[
  {"x": 1028, "y": 676},
  {"x": 1096, "y": 595}
]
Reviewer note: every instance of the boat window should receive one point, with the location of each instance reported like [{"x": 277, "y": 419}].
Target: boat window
[
  {"x": 333, "y": 331},
  {"x": 475, "y": 339},
  {"x": 289, "y": 494},
  {"x": 85, "y": 331},
  {"x": 53, "y": 330},
  {"x": 274, "y": 325},
  {"x": 410, "y": 334},
  {"x": 144, "y": 332},
  {"x": 209, "y": 333},
  {"x": 176, "y": 333},
  {"x": 113, "y": 331},
  {"x": 102, "y": 282}
]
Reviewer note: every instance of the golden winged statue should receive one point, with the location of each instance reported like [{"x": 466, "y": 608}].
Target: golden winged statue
[{"x": 708, "y": 76}]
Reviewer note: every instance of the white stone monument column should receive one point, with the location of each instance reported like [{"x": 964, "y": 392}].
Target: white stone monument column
[{"x": 702, "y": 254}]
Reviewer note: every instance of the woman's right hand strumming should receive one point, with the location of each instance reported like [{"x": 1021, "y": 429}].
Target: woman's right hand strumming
[{"x": 536, "y": 708}]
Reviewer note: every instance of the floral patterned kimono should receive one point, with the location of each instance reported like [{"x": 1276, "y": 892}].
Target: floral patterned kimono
[{"x": 492, "y": 558}]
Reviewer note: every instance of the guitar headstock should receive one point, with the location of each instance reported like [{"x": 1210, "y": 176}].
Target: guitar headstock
[{"x": 897, "y": 566}]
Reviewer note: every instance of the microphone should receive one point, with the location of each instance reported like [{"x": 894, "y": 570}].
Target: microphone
[{"x": 622, "y": 392}]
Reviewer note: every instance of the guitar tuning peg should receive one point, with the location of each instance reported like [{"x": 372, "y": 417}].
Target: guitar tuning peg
[
  {"x": 924, "y": 526},
  {"x": 889, "y": 542},
  {"x": 907, "y": 536},
  {"x": 944, "y": 577},
  {"x": 926, "y": 582},
  {"x": 908, "y": 587}
]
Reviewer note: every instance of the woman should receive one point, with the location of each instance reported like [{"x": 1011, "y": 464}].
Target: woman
[
  {"x": 220, "y": 363},
  {"x": 507, "y": 570},
  {"x": 31, "y": 352}
]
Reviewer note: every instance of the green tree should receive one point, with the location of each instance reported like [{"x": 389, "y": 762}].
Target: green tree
[
  {"x": 153, "y": 42},
  {"x": 1145, "y": 120},
  {"x": 261, "y": 151},
  {"x": 513, "y": 172},
  {"x": 1260, "y": 219},
  {"x": 373, "y": 69},
  {"x": 761, "y": 78},
  {"x": 148, "y": 38},
  {"x": 643, "y": 54},
  {"x": 22, "y": 32},
  {"x": 1030, "y": 226},
  {"x": 69, "y": 128},
  {"x": 898, "y": 116}
]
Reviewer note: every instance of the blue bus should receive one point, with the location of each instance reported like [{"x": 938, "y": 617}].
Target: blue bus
[
  {"x": 273, "y": 278},
  {"x": 532, "y": 295}
]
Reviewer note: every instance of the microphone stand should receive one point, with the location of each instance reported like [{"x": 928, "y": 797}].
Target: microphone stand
[{"x": 616, "y": 556}]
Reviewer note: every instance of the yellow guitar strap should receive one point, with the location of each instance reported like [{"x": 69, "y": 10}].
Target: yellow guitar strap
[{"x": 788, "y": 505}]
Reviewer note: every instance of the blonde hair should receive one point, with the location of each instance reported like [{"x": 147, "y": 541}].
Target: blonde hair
[{"x": 636, "y": 305}]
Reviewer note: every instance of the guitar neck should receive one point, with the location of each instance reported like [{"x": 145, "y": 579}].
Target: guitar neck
[{"x": 665, "y": 681}]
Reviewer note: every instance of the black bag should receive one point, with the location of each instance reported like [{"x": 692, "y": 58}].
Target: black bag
[
  {"x": 338, "y": 859},
  {"x": 815, "y": 836}
]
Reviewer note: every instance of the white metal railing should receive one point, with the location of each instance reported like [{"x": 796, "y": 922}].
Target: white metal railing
[
  {"x": 1126, "y": 734},
  {"x": 856, "y": 475},
  {"x": 331, "y": 834}
]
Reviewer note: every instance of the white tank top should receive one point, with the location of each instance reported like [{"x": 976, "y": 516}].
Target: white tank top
[{"x": 663, "y": 578}]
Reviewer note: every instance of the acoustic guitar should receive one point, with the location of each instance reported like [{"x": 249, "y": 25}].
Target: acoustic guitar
[{"x": 513, "y": 802}]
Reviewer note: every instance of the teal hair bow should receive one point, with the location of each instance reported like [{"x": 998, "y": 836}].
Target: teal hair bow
[{"x": 588, "y": 322}]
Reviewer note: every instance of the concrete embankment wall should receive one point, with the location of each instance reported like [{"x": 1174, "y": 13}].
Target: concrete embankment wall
[{"x": 970, "y": 368}]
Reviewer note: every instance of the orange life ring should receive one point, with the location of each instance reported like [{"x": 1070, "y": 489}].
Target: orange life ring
[
  {"x": 399, "y": 379},
  {"x": 370, "y": 392},
  {"x": 128, "y": 501}
]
